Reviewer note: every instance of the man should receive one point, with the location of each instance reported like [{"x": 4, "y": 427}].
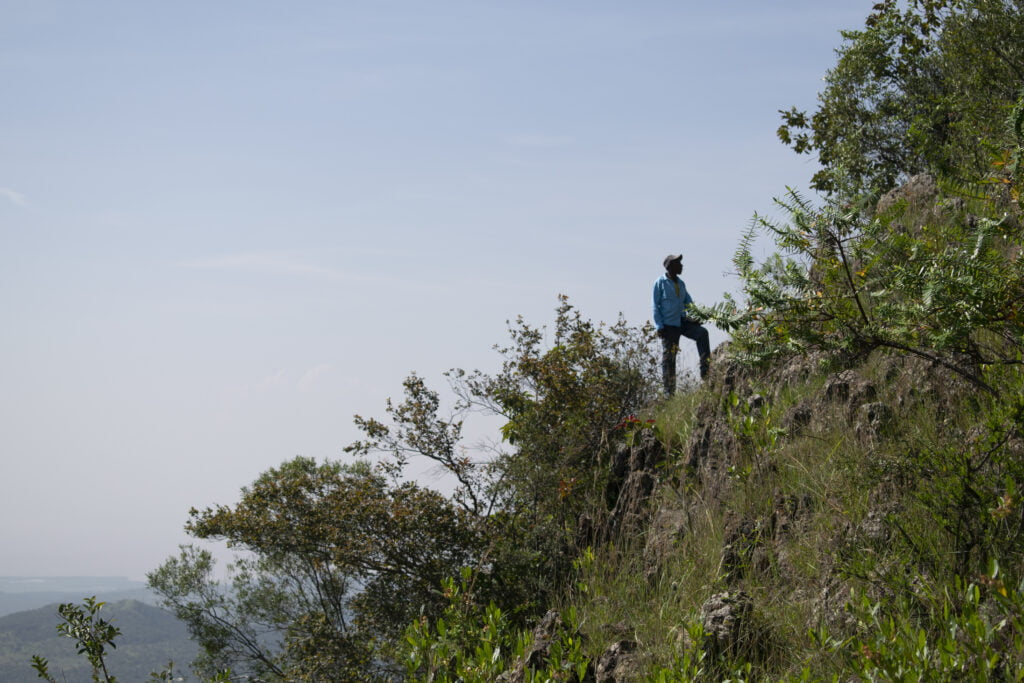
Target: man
[{"x": 670, "y": 317}]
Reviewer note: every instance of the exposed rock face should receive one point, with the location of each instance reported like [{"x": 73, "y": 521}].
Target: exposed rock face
[
  {"x": 630, "y": 512},
  {"x": 797, "y": 418},
  {"x": 791, "y": 512},
  {"x": 849, "y": 388},
  {"x": 920, "y": 196},
  {"x": 917, "y": 381},
  {"x": 743, "y": 549},
  {"x": 755, "y": 544},
  {"x": 619, "y": 663},
  {"x": 728, "y": 623},
  {"x": 872, "y": 420},
  {"x": 711, "y": 443},
  {"x": 798, "y": 369},
  {"x": 543, "y": 635},
  {"x": 539, "y": 653},
  {"x": 718, "y": 457},
  {"x": 633, "y": 479},
  {"x": 667, "y": 529}
]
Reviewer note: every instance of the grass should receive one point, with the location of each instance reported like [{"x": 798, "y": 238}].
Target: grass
[{"x": 839, "y": 511}]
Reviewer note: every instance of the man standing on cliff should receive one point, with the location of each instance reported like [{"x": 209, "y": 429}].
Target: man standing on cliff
[{"x": 670, "y": 317}]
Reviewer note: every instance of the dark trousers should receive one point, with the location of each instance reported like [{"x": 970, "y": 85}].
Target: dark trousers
[{"x": 670, "y": 346}]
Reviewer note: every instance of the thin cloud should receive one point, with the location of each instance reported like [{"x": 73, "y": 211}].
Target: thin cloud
[
  {"x": 266, "y": 384},
  {"x": 14, "y": 197},
  {"x": 313, "y": 375}
]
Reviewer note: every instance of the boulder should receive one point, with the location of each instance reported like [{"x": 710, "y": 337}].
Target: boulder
[
  {"x": 872, "y": 420},
  {"x": 849, "y": 389},
  {"x": 619, "y": 663},
  {"x": 538, "y": 654},
  {"x": 634, "y": 474},
  {"x": 727, "y": 619},
  {"x": 667, "y": 529}
]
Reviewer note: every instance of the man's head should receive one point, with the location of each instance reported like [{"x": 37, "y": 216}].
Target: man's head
[{"x": 673, "y": 264}]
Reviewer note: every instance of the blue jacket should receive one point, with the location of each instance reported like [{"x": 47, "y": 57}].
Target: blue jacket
[{"x": 670, "y": 301}]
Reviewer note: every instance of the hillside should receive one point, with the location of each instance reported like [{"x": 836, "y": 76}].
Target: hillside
[
  {"x": 151, "y": 638},
  {"x": 799, "y": 509}
]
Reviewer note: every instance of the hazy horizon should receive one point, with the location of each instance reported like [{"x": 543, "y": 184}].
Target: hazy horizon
[{"x": 28, "y": 584}]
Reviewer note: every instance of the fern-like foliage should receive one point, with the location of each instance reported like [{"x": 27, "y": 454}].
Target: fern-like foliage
[{"x": 944, "y": 284}]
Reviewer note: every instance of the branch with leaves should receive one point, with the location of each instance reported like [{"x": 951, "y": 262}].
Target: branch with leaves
[{"x": 948, "y": 292}]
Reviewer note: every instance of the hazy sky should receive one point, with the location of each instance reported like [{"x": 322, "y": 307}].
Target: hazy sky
[{"x": 226, "y": 226}]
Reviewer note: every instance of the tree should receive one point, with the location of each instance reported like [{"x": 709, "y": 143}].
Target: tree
[
  {"x": 339, "y": 558},
  {"x": 561, "y": 402},
  {"x": 948, "y": 292},
  {"x": 925, "y": 86},
  {"x": 939, "y": 276}
]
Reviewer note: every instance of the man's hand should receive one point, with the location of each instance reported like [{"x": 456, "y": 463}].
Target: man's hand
[{"x": 660, "y": 332}]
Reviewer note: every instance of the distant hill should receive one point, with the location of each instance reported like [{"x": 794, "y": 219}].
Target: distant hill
[
  {"x": 20, "y": 593},
  {"x": 151, "y": 637}
]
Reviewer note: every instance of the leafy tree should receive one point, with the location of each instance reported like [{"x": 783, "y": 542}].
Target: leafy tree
[
  {"x": 944, "y": 282},
  {"x": 339, "y": 557},
  {"x": 561, "y": 401},
  {"x": 924, "y": 86}
]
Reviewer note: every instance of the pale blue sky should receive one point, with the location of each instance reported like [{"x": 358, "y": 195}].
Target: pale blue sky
[{"x": 226, "y": 227}]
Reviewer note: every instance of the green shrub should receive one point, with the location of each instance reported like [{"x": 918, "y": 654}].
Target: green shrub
[{"x": 968, "y": 632}]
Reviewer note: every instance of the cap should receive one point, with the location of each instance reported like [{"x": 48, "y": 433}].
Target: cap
[{"x": 670, "y": 258}]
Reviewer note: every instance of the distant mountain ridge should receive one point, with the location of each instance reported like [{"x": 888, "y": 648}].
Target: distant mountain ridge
[
  {"x": 20, "y": 593},
  {"x": 151, "y": 637}
]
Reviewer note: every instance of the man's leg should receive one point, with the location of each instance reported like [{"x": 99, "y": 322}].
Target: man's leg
[
  {"x": 697, "y": 333},
  {"x": 669, "y": 348}
]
